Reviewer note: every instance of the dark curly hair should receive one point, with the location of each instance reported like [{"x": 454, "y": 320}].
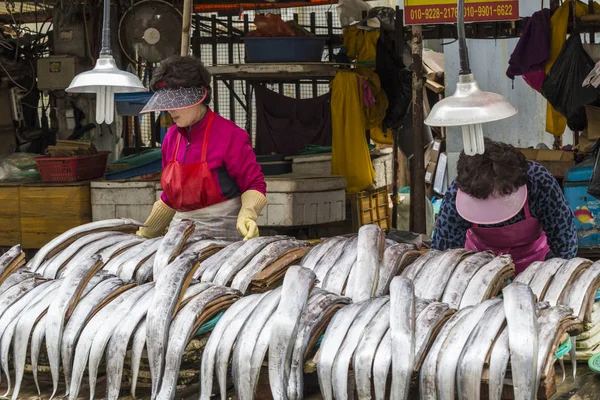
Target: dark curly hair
[
  {"x": 182, "y": 71},
  {"x": 500, "y": 169}
]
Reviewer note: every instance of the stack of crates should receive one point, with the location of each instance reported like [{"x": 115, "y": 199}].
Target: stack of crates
[{"x": 370, "y": 207}]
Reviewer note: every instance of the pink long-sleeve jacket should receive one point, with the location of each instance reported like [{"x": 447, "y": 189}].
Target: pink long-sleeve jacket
[{"x": 230, "y": 158}]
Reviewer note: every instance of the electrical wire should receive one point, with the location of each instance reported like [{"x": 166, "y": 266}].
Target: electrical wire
[
  {"x": 11, "y": 78},
  {"x": 87, "y": 35}
]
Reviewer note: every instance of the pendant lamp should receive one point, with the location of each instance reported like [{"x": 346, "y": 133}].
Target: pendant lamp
[
  {"x": 106, "y": 78},
  {"x": 469, "y": 107}
]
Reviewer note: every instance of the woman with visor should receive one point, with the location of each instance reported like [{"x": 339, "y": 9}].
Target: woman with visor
[{"x": 210, "y": 173}]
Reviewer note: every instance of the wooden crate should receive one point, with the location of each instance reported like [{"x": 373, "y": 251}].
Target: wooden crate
[
  {"x": 10, "y": 226},
  {"x": 49, "y": 210},
  {"x": 370, "y": 207}
]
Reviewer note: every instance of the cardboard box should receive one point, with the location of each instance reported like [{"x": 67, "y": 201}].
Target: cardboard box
[
  {"x": 436, "y": 149},
  {"x": 558, "y": 162},
  {"x": 593, "y": 117},
  {"x": 440, "y": 174},
  {"x": 430, "y": 172}
]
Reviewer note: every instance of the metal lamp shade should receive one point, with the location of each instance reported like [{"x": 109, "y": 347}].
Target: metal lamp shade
[
  {"x": 105, "y": 73},
  {"x": 105, "y": 80},
  {"x": 469, "y": 106}
]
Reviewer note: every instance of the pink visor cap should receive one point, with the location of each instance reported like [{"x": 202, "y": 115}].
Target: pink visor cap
[{"x": 493, "y": 210}]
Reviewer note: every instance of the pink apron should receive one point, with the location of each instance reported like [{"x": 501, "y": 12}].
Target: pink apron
[{"x": 525, "y": 241}]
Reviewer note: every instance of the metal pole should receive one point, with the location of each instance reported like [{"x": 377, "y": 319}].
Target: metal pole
[
  {"x": 399, "y": 32},
  {"x": 186, "y": 26},
  {"x": 417, "y": 171}
]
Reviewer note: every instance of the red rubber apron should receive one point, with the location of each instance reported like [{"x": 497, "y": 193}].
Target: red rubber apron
[
  {"x": 191, "y": 186},
  {"x": 525, "y": 241}
]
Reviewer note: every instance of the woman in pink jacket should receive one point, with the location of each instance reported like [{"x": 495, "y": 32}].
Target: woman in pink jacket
[{"x": 210, "y": 173}]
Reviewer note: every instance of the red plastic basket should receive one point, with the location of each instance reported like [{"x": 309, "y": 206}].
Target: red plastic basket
[{"x": 72, "y": 169}]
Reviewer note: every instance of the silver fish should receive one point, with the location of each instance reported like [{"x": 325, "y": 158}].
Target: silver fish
[
  {"x": 312, "y": 258},
  {"x": 523, "y": 334},
  {"x": 11, "y": 295},
  {"x": 366, "y": 350},
  {"x": 402, "y": 330},
  {"x": 344, "y": 355},
  {"x": 317, "y": 308},
  {"x": 193, "y": 290},
  {"x": 63, "y": 240},
  {"x": 137, "y": 349},
  {"x": 434, "y": 277},
  {"x": 69, "y": 293},
  {"x": 332, "y": 341},
  {"x": 482, "y": 282},
  {"x": 329, "y": 259},
  {"x": 87, "y": 337},
  {"x": 87, "y": 252},
  {"x": 14, "y": 279},
  {"x": 62, "y": 258},
  {"x": 527, "y": 275},
  {"x": 9, "y": 320},
  {"x": 81, "y": 314},
  {"x": 267, "y": 256},
  {"x": 581, "y": 290},
  {"x": 171, "y": 245},
  {"x": 540, "y": 281},
  {"x": 260, "y": 314},
  {"x": 389, "y": 266},
  {"x": 246, "y": 375},
  {"x": 114, "y": 265},
  {"x": 427, "y": 376},
  {"x": 210, "y": 267},
  {"x": 129, "y": 267},
  {"x": 105, "y": 332},
  {"x": 462, "y": 275},
  {"x": 23, "y": 329},
  {"x": 210, "y": 350},
  {"x": 39, "y": 333},
  {"x": 297, "y": 284},
  {"x": 498, "y": 364},
  {"x": 169, "y": 289},
  {"x": 381, "y": 366},
  {"x": 8, "y": 261},
  {"x": 425, "y": 325},
  {"x": 563, "y": 277},
  {"x": 452, "y": 348},
  {"x": 144, "y": 272},
  {"x": 184, "y": 325},
  {"x": 336, "y": 278},
  {"x": 117, "y": 346},
  {"x": 114, "y": 250},
  {"x": 413, "y": 269},
  {"x": 549, "y": 321},
  {"x": 472, "y": 360},
  {"x": 241, "y": 257},
  {"x": 365, "y": 274}
]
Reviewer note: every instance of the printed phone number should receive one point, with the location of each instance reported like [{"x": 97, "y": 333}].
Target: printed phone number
[{"x": 445, "y": 13}]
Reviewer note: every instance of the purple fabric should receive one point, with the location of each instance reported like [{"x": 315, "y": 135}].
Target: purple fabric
[
  {"x": 533, "y": 49},
  {"x": 229, "y": 149}
]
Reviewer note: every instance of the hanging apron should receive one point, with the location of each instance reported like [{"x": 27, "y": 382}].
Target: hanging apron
[
  {"x": 193, "y": 192},
  {"x": 525, "y": 241}
]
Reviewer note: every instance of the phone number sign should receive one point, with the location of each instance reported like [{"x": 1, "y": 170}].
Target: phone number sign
[{"x": 417, "y": 12}]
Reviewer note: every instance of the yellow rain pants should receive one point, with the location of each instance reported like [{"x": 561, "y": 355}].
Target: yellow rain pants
[{"x": 350, "y": 156}]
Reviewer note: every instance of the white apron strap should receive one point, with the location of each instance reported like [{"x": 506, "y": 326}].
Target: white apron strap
[{"x": 218, "y": 221}]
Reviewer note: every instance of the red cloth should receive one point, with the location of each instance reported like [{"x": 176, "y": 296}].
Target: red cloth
[{"x": 229, "y": 149}]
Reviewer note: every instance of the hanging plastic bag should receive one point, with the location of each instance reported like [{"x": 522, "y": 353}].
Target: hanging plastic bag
[
  {"x": 563, "y": 84},
  {"x": 594, "y": 186}
]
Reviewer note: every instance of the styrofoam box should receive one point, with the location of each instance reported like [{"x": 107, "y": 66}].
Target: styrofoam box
[
  {"x": 122, "y": 200},
  {"x": 301, "y": 199},
  {"x": 320, "y": 164}
]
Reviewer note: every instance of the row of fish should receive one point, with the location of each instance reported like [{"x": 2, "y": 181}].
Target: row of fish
[
  {"x": 110, "y": 295},
  {"x": 361, "y": 267}
]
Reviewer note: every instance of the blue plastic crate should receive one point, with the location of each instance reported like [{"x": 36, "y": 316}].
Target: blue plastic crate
[
  {"x": 147, "y": 162},
  {"x": 283, "y": 50}
]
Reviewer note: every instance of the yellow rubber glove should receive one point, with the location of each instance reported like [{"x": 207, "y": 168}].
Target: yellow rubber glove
[
  {"x": 252, "y": 204},
  {"x": 157, "y": 221}
]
